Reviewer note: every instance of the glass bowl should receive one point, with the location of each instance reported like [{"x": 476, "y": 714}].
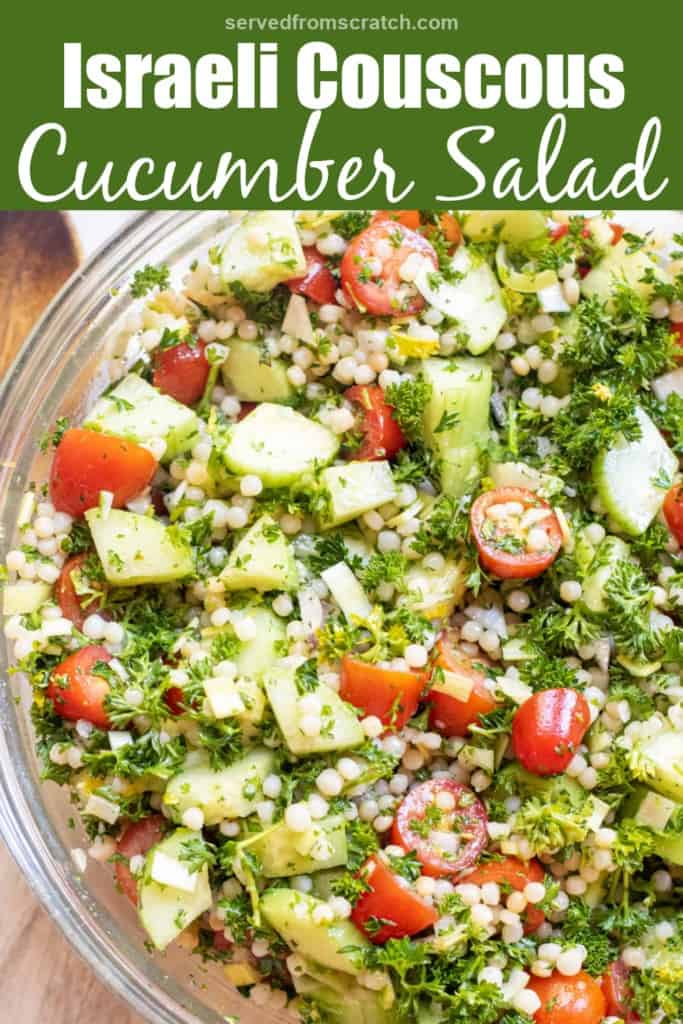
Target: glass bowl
[
  {"x": 63, "y": 365},
  {"x": 59, "y": 370}
]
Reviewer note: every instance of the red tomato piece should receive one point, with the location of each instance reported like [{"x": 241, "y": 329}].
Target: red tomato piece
[
  {"x": 576, "y": 1000},
  {"x": 507, "y": 540},
  {"x": 221, "y": 943},
  {"x": 617, "y": 232},
  {"x": 408, "y": 218},
  {"x": 673, "y": 511},
  {"x": 515, "y": 874},
  {"x": 444, "y": 841},
  {"x": 391, "y": 696},
  {"x": 245, "y": 409},
  {"x": 175, "y": 700},
  {"x": 448, "y": 715},
  {"x": 548, "y": 728},
  {"x": 181, "y": 371},
  {"x": 617, "y": 992},
  {"x": 76, "y": 691},
  {"x": 391, "y": 902},
  {"x": 382, "y": 436},
  {"x": 71, "y": 576},
  {"x": 370, "y": 269},
  {"x": 137, "y": 839},
  {"x": 87, "y": 462},
  {"x": 318, "y": 283}
]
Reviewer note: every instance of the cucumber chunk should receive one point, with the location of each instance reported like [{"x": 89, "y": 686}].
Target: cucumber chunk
[
  {"x": 257, "y": 655},
  {"x": 513, "y": 226},
  {"x": 474, "y": 299},
  {"x": 137, "y": 411},
  {"x": 631, "y": 477},
  {"x": 342, "y": 1001},
  {"x": 24, "y": 598},
  {"x": 137, "y": 549},
  {"x": 461, "y": 391},
  {"x": 355, "y": 488},
  {"x": 232, "y": 792},
  {"x": 166, "y": 911},
  {"x": 278, "y": 444},
  {"x": 262, "y": 250},
  {"x": 435, "y": 594},
  {"x": 290, "y": 913},
  {"x": 252, "y": 379},
  {"x": 618, "y": 266},
  {"x": 609, "y": 552},
  {"x": 340, "y": 726},
  {"x": 282, "y": 853},
  {"x": 658, "y": 761},
  {"x": 262, "y": 560}
]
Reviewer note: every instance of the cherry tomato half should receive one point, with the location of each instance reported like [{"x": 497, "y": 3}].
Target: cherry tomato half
[
  {"x": 575, "y": 1000},
  {"x": 448, "y": 715},
  {"x": 382, "y": 436},
  {"x": 445, "y": 841},
  {"x": 388, "y": 901},
  {"x": 76, "y": 594},
  {"x": 617, "y": 992},
  {"x": 673, "y": 511},
  {"x": 76, "y": 691},
  {"x": 548, "y": 728},
  {"x": 390, "y": 695},
  {"x": 370, "y": 269},
  {"x": 137, "y": 839},
  {"x": 181, "y": 371},
  {"x": 517, "y": 533},
  {"x": 562, "y": 229},
  {"x": 515, "y": 874},
  {"x": 318, "y": 283},
  {"x": 87, "y": 462}
]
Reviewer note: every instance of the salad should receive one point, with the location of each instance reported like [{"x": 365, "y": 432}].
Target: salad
[{"x": 353, "y": 614}]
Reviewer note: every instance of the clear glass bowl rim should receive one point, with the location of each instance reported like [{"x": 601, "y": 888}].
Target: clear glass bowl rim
[{"x": 25, "y": 825}]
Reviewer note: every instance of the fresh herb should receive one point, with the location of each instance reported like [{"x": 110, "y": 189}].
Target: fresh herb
[
  {"x": 148, "y": 278},
  {"x": 409, "y": 398}
]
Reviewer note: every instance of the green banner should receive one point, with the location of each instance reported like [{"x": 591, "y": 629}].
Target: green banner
[{"x": 245, "y": 105}]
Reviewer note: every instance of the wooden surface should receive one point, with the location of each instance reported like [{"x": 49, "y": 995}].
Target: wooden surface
[{"x": 41, "y": 978}]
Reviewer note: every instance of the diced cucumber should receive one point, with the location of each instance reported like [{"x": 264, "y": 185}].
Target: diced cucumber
[
  {"x": 639, "y": 668},
  {"x": 257, "y": 655},
  {"x": 668, "y": 384},
  {"x": 282, "y": 853},
  {"x": 435, "y": 594},
  {"x": 456, "y": 418},
  {"x": 340, "y": 726},
  {"x": 232, "y": 792},
  {"x": 252, "y": 378},
  {"x": 474, "y": 299},
  {"x": 263, "y": 250},
  {"x": 515, "y": 649},
  {"x": 632, "y": 477},
  {"x": 341, "y": 1001},
  {"x": 610, "y": 551},
  {"x": 670, "y": 848},
  {"x": 290, "y": 913},
  {"x": 618, "y": 266},
  {"x": 297, "y": 322},
  {"x": 513, "y": 226},
  {"x": 24, "y": 598},
  {"x": 262, "y": 560},
  {"x": 166, "y": 911},
  {"x": 347, "y": 592},
  {"x": 355, "y": 488},
  {"x": 137, "y": 549},
  {"x": 278, "y": 445},
  {"x": 658, "y": 761},
  {"x": 137, "y": 411}
]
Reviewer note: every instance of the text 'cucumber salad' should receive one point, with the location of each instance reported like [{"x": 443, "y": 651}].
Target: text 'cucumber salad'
[{"x": 353, "y": 614}]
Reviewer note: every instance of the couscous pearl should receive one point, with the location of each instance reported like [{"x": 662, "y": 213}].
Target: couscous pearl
[
  {"x": 490, "y": 893},
  {"x": 114, "y": 633},
  {"x": 368, "y": 810},
  {"x": 550, "y": 406},
  {"x": 15, "y": 560},
  {"x": 534, "y": 892},
  {"x": 250, "y": 486},
  {"x": 329, "y": 782},
  {"x": 348, "y": 769},
  {"x": 44, "y": 526},
  {"x": 298, "y": 817},
  {"x": 416, "y": 655},
  {"x": 662, "y": 881},
  {"x": 571, "y": 290},
  {"x": 230, "y": 829},
  {"x": 272, "y": 786},
  {"x": 659, "y": 309},
  {"x": 575, "y": 885},
  {"x": 296, "y": 376},
  {"x": 516, "y": 902},
  {"x": 537, "y": 539},
  {"x": 193, "y": 818},
  {"x": 231, "y": 406},
  {"x": 526, "y": 1001},
  {"x": 532, "y": 397},
  {"x": 318, "y": 807},
  {"x": 534, "y": 356},
  {"x": 570, "y": 591},
  {"x": 518, "y": 600},
  {"x": 48, "y": 573},
  {"x": 283, "y": 606},
  {"x": 512, "y": 932},
  {"x": 236, "y": 517},
  {"x": 469, "y": 893},
  {"x": 387, "y": 541},
  {"x": 94, "y": 627},
  {"x": 481, "y": 915},
  {"x": 634, "y": 957},
  {"x": 664, "y": 931},
  {"x": 505, "y": 341},
  {"x": 290, "y": 524},
  {"x": 520, "y": 366}
]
